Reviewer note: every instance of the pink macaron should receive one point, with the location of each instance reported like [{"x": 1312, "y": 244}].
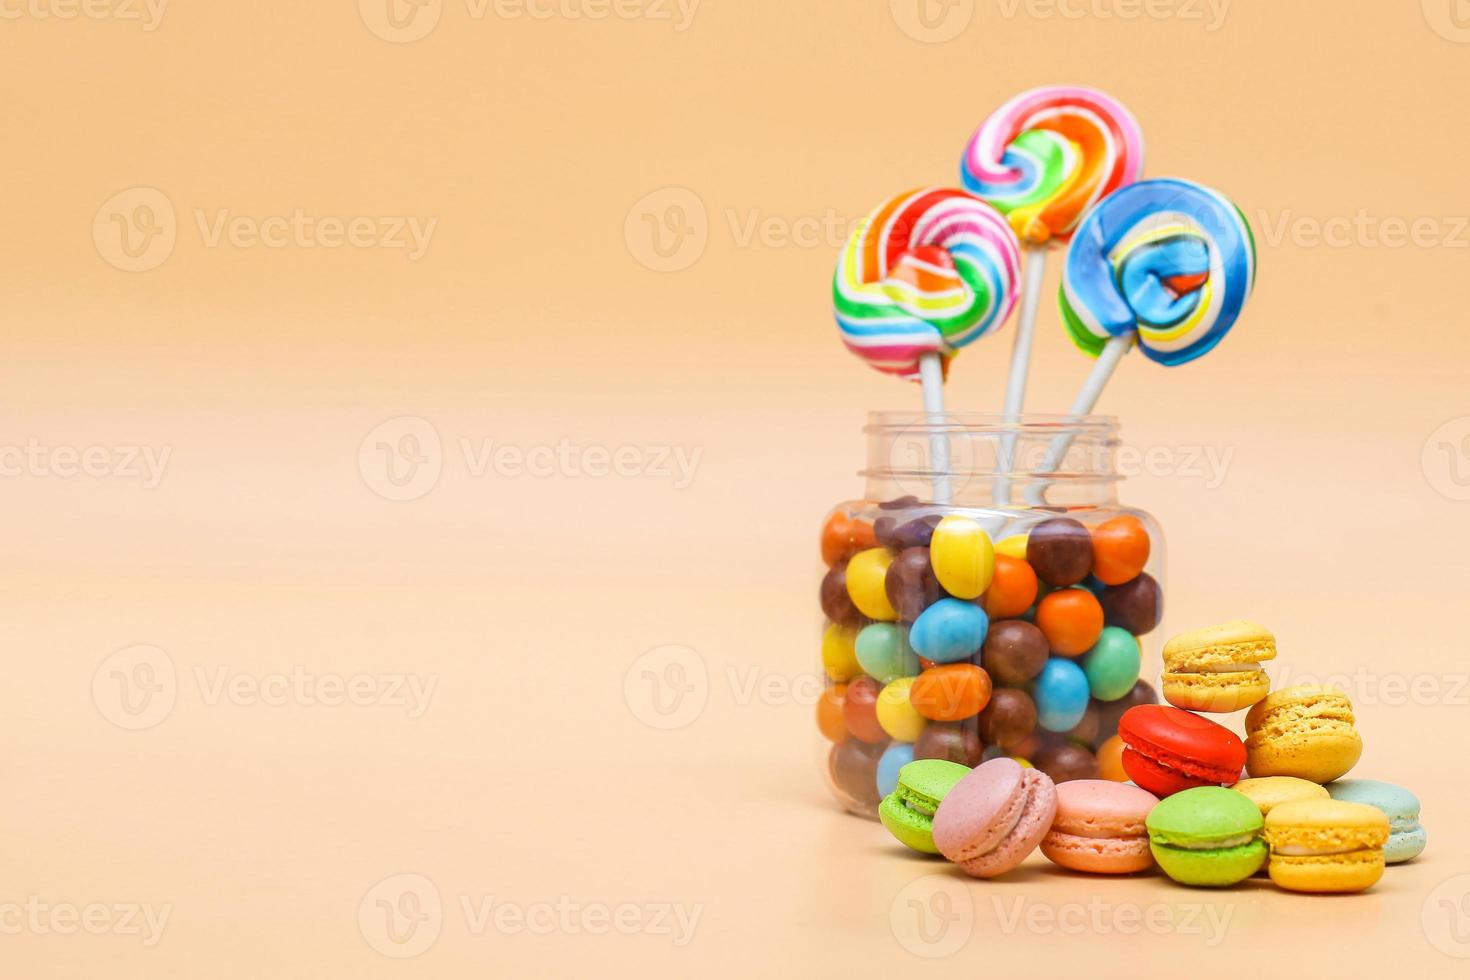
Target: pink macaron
[
  {"x": 994, "y": 817},
  {"x": 1099, "y": 827}
]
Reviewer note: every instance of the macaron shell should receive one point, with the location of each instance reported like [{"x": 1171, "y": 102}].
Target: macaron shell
[
  {"x": 1098, "y": 855},
  {"x": 1211, "y": 869},
  {"x": 1405, "y": 845},
  {"x": 1268, "y": 792},
  {"x": 1100, "y": 827},
  {"x": 1407, "y": 838},
  {"x": 1329, "y": 873},
  {"x": 1216, "y": 693},
  {"x": 1320, "y": 758},
  {"x": 1349, "y": 837},
  {"x": 1170, "y": 749},
  {"x": 1236, "y": 642},
  {"x": 994, "y": 817},
  {"x": 1027, "y": 834},
  {"x": 1162, "y": 780},
  {"x": 1182, "y": 829},
  {"x": 1303, "y": 731},
  {"x": 912, "y": 829}
]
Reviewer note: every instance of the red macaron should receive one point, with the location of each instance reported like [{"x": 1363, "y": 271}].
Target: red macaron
[{"x": 1170, "y": 750}]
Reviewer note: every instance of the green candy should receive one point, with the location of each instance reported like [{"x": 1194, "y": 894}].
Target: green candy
[
  {"x": 883, "y": 652},
  {"x": 1112, "y": 665},
  {"x": 908, "y": 812}
]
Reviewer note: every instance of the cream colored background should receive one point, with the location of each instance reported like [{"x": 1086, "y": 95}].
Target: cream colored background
[{"x": 542, "y": 147}]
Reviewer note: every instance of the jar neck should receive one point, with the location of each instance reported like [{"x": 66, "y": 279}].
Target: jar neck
[{"x": 978, "y": 460}]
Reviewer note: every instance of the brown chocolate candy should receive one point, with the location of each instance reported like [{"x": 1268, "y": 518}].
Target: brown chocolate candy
[
  {"x": 900, "y": 503},
  {"x": 837, "y": 605},
  {"x": 910, "y": 584},
  {"x": 1014, "y": 652},
  {"x": 1060, "y": 550},
  {"x": 1008, "y": 719},
  {"x": 1085, "y": 731},
  {"x": 1110, "y": 711},
  {"x": 894, "y": 532},
  {"x": 953, "y": 741},
  {"x": 1066, "y": 762},
  {"x": 1136, "y": 606},
  {"x": 855, "y": 770}
]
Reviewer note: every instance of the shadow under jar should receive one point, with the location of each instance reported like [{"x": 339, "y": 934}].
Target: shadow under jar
[{"x": 989, "y": 596}]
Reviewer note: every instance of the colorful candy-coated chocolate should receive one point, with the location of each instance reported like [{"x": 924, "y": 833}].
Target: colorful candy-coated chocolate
[
  {"x": 839, "y": 652},
  {"x": 949, "y": 631},
  {"x": 893, "y": 759},
  {"x": 897, "y": 716},
  {"x": 882, "y": 651},
  {"x": 1135, "y": 606},
  {"x": 1012, "y": 546},
  {"x": 837, "y": 605},
  {"x": 994, "y": 817},
  {"x": 1061, "y": 695},
  {"x": 1120, "y": 549},
  {"x": 954, "y": 741},
  {"x": 929, "y": 272},
  {"x": 1305, "y": 731},
  {"x": 1014, "y": 652},
  {"x": 897, "y": 533},
  {"x": 1111, "y": 711},
  {"x": 1071, "y": 619},
  {"x": 829, "y": 714},
  {"x": 910, "y": 583},
  {"x": 1218, "y": 668},
  {"x": 1067, "y": 761},
  {"x": 860, "y": 711},
  {"x": 1207, "y": 836},
  {"x": 1100, "y": 827},
  {"x": 867, "y": 573},
  {"x": 1170, "y": 750},
  {"x": 1060, "y": 550},
  {"x": 1168, "y": 261},
  {"x": 1326, "y": 846},
  {"x": 908, "y": 809},
  {"x": 1013, "y": 588},
  {"x": 844, "y": 536},
  {"x": 1112, "y": 664},
  {"x": 951, "y": 692},
  {"x": 854, "y": 768},
  {"x": 1084, "y": 733},
  {"x": 1009, "y": 719},
  {"x": 1406, "y": 838},
  {"x": 963, "y": 556},
  {"x": 1110, "y": 760},
  {"x": 1049, "y": 154}
]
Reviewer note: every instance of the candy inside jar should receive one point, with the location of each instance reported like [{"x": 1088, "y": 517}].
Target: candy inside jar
[{"x": 973, "y": 630}]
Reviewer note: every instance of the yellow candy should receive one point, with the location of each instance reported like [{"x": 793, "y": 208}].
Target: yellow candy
[
  {"x": 839, "y": 652},
  {"x": 1025, "y": 763},
  {"x": 962, "y": 556},
  {"x": 1013, "y": 546},
  {"x": 866, "y": 574},
  {"x": 899, "y": 718}
]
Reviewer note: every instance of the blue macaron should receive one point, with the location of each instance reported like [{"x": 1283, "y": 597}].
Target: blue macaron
[{"x": 1406, "y": 838}]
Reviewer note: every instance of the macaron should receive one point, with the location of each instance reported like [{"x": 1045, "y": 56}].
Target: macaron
[
  {"x": 1100, "y": 827},
  {"x": 1304, "y": 731},
  {"x": 1406, "y": 837},
  {"x": 1326, "y": 845},
  {"x": 1267, "y": 792},
  {"x": 908, "y": 812},
  {"x": 1218, "y": 668},
  {"x": 1209, "y": 836},
  {"x": 994, "y": 817},
  {"x": 1168, "y": 750}
]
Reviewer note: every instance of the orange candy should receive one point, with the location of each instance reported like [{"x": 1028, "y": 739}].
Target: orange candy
[
  {"x": 951, "y": 692},
  {"x": 1012, "y": 590},
  {"x": 1110, "y": 760},
  {"x": 829, "y": 714},
  {"x": 844, "y": 537},
  {"x": 1120, "y": 549},
  {"x": 1071, "y": 619}
]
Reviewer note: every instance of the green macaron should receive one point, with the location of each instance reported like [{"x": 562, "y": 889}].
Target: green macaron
[
  {"x": 1208, "y": 835},
  {"x": 908, "y": 812}
]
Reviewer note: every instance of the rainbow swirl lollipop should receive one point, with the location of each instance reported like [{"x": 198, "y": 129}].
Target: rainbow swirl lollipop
[
  {"x": 1168, "y": 260},
  {"x": 927, "y": 273},
  {"x": 1049, "y": 154}
]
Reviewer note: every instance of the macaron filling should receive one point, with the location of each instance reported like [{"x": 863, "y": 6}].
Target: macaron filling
[
  {"x": 1301, "y": 850},
  {"x": 1224, "y": 843},
  {"x": 916, "y": 801}
]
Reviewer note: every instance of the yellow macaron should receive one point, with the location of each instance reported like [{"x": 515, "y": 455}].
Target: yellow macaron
[
  {"x": 1218, "y": 668},
  {"x": 1269, "y": 792},
  {"x": 1304, "y": 731},
  {"x": 1326, "y": 845}
]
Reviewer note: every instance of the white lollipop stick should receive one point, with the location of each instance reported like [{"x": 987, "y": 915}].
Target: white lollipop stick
[
  {"x": 931, "y": 380},
  {"x": 1086, "y": 401},
  {"x": 1020, "y": 365}
]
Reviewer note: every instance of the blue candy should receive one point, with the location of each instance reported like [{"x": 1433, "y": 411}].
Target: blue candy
[
  {"x": 1061, "y": 694},
  {"x": 949, "y": 631},
  {"x": 894, "y": 758}
]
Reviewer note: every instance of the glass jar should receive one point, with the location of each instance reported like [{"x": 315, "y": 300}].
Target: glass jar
[{"x": 988, "y": 596}]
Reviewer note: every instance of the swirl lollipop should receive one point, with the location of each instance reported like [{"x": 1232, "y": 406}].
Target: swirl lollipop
[
  {"x": 1167, "y": 264},
  {"x": 1043, "y": 159},
  {"x": 927, "y": 273}
]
